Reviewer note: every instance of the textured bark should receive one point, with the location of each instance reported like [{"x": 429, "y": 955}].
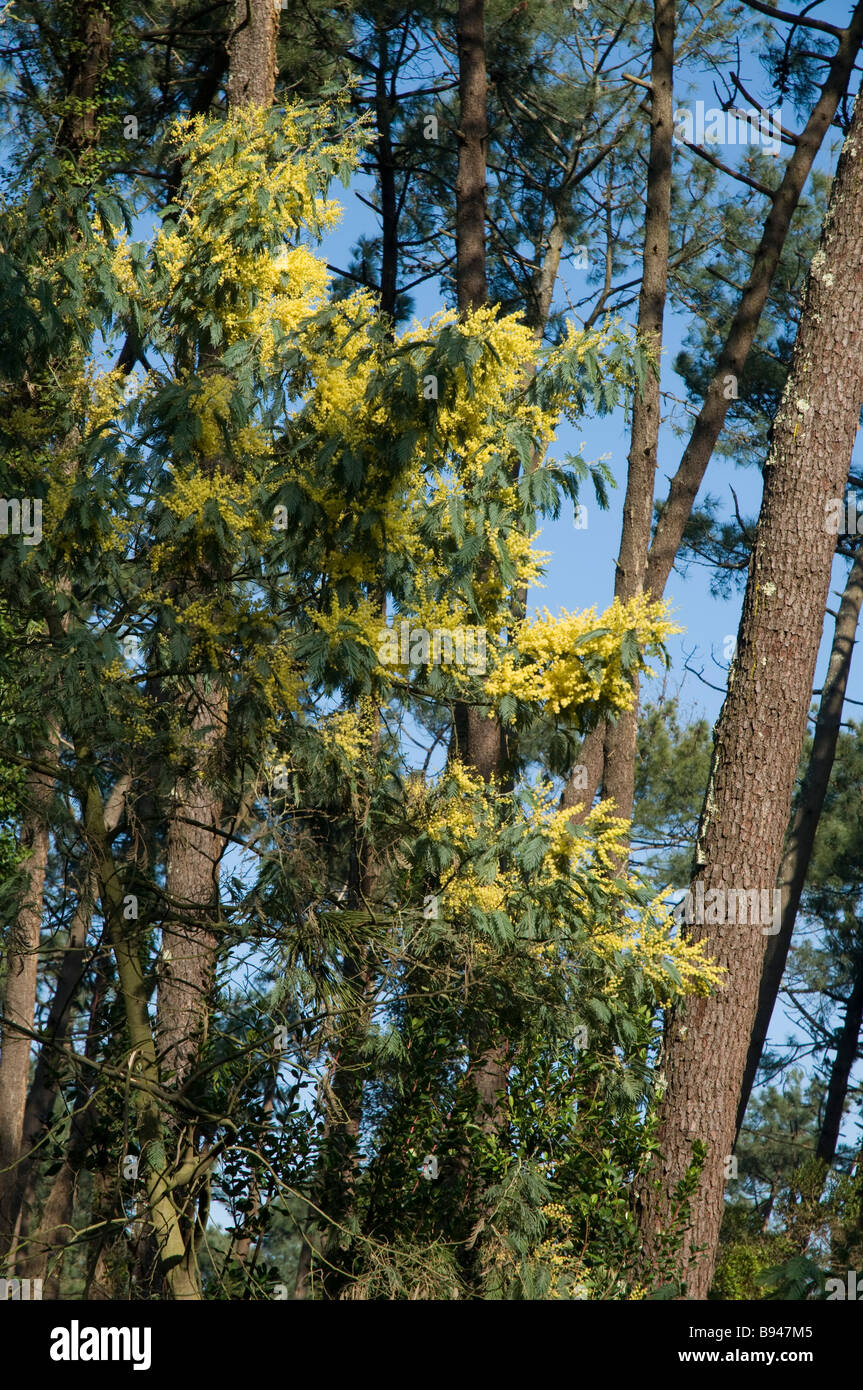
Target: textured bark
[
  {"x": 470, "y": 187},
  {"x": 840, "y": 1072},
  {"x": 483, "y": 730},
  {"x": 804, "y": 823},
  {"x": 760, "y": 731},
  {"x": 19, "y": 1004},
  {"x": 142, "y": 1062},
  {"x": 193, "y": 852},
  {"x": 42, "y": 1095},
  {"x": 194, "y": 842},
  {"x": 387, "y": 180},
  {"x": 741, "y": 334},
  {"x": 17, "y": 1185},
  {"x": 88, "y": 62},
  {"x": 252, "y": 53}
]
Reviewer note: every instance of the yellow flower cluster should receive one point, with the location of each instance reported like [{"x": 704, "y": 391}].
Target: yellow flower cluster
[
  {"x": 351, "y": 733},
  {"x": 553, "y": 660},
  {"x": 464, "y": 818}
]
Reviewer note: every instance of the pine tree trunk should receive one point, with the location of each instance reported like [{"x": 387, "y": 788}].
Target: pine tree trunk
[
  {"x": 252, "y": 53},
  {"x": 470, "y": 187},
  {"x": 760, "y": 730},
  {"x": 804, "y": 823},
  {"x": 193, "y": 851},
  {"x": 19, "y": 1004}
]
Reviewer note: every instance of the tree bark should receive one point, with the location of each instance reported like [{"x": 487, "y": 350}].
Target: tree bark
[
  {"x": 760, "y": 730},
  {"x": 470, "y": 187},
  {"x": 194, "y": 842},
  {"x": 804, "y": 823},
  {"x": 387, "y": 177},
  {"x": 252, "y": 53},
  {"x": 193, "y": 852},
  {"x": 19, "y": 1005}
]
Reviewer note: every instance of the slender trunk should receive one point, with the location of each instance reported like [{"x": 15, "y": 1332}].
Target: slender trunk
[
  {"x": 470, "y": 187},
  {"x": 42, "y": 1095},
  {"x": 194, "y": 842},
  {"x": 741, "y": 334},
  {"x": 193, "y": 851},
  {"x": 344, "y": 1105},
  {"x": 483, "y": 730},
  {"x": 840, "y": 1073},
  {"x": 761, "y": 728},
  {"x": 619, "y": 752},
  {"x": 387, "y": 179},
  {"x": 804, "y": 823},
  {"x": 19, "y": 1005},
  {"x": 142, "y": 1061}
]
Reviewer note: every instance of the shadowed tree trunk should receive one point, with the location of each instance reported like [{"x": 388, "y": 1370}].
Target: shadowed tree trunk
[
  {"x": 195, "y": 843},
  {"x": 252, "y": 53},
  {"x": 804, "y": 823},
  {"x": 19, "y": 1004},
  {"x": 840, "y": 1072},
  {"x": 470, "y": 186},
  {"x": 42, "y": 1094},
  {"x": 761, "y": 728}
]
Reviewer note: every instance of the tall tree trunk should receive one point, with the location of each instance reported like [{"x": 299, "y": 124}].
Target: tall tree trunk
[
  {"x": 192, "y": 854},
  {"x": 252, "y": 53},
  {"x": 42, "y": 1094},
  {"x": 19, "y": 1005},
  {"x": 483, "y": 733},
  {"x": 195, "y": 843},
  {"x": 43, "y": 1252},
  {"x": 387, "y": 178},
  {"x": 760, "y": 730},
  {"x": 732, "y": 360},
  {"x": 804, "y": 823},
  {"x": 840, "y": 1072},
  {"x": 619, "y": 752},
  {"x": 470, "y": 186},
  {"x": 142, "y": 1062}
]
